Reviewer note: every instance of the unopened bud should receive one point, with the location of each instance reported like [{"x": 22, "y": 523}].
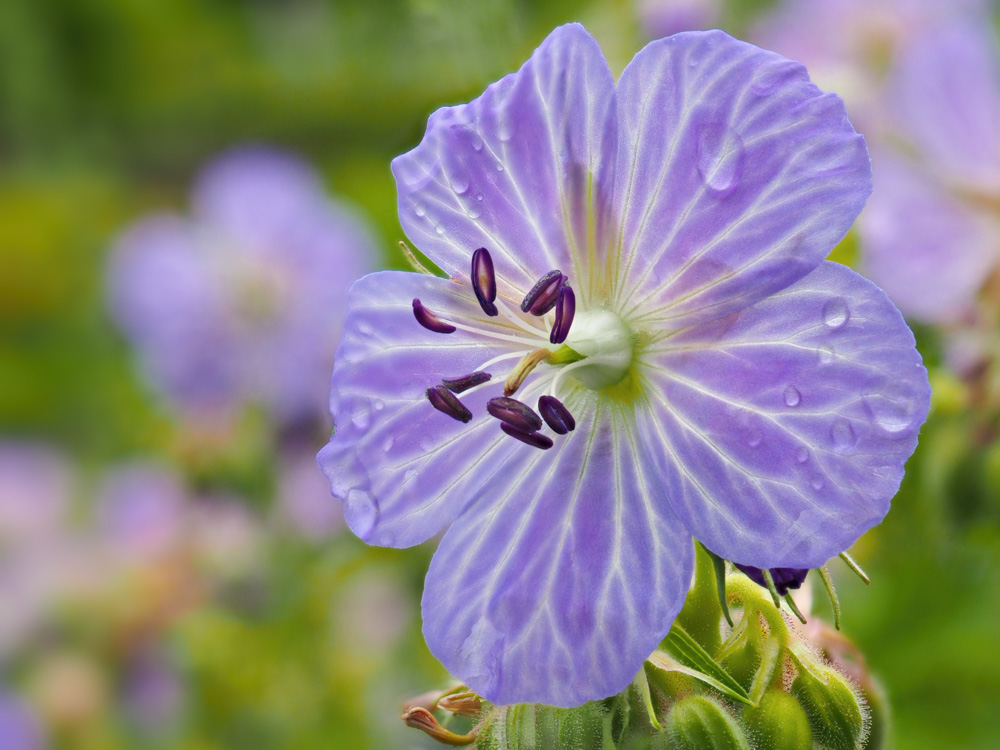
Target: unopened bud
[
  {"x": 699, "y": 723},
  {"x": 837, "y": 713},
  {"x": 778, "y": 722},
  {"x": 532, "y": 726},
  {"x": 464, "y": 704}
]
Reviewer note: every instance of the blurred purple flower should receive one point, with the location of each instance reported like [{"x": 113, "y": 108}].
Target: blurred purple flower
[
  {"x": 243, "y": 301},
  {"x": 153, "y": 690},
  {"x": 36, "y": 485},
  {"x": 849, "y": 46},
  {"x": 304, "y": 498},
  {"x": 665, "y": 17},
  {"x": 140, "y": 512},
  {"x": 931, "y": 234},
  {"x": 725, "y": 382},
  {"x": 20, "y": 728}
]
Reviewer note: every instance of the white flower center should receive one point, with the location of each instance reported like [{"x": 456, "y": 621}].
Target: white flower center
[{"x": 606, "y": 342}]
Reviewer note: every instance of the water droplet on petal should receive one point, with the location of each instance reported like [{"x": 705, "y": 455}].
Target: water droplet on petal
[
  {"x": 477, "y": 142},
  {"x": 474, "y": 211},
  {"x": 388, "y": 443},
  {"x": 409, "y": 476},
  {"x": 720, "y": 158},
  {"x": 816, "y": 482},
  {"x": 378, "y": 403},
  {"x": 360, "y": 512},
  {"x": 439, "y": 229},
  {"x": 826, "y": 355},
  {"x": 364, "y": 329},
  {"x": 420, "y": 209},
  {"x": 835, "y": 313},
  {"x": 755, "y": 438},
  {"x": 479, "y": 197},
  {"x": 893, "y": 414},
  {"x": 459, "y": 185},
  {"x": 506, "y": 127},
  {"x": 792, "y": 396},
  {"x": 362, "y": 418},
  {"x": 843, "y": 435},
  {"x": 499, "y": 167},
  {"x": 802, "y": 455}
]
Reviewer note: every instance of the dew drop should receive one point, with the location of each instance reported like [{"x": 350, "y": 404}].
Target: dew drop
[
  {"x": 835, "y": 313},
  {"x": 792, "y": 396},
  {"x": 360, "y": 512},
  {"x": 439, "y": 229},
  {"x": 755, "y": 438},
  {"x": 506, "y": 128},
  {"x": 420, "y": 209},
  {"x": 388, "y": 443},
  {"x": 843, "y": 435},
  {"x": 720, "y": 158},
  {"x": 825, "y": 354},
  {"x": 893, "y": 414},
  {"x": 364, "y": 329},
  {"x": 362, "y": 418},
  {"x": 474, "y": 211},
  {"x": 816, "y": 482},
  {"x": 460, "y": 185},
  {"x": 479, "y": 197},
  {"x": 378, "y": 403},
  {"x": 477, "y": 142},
  {"x": 426, "y": 444},
  {"x": 499, "y": 167},
  {"x": 409, "y": 476},
  {"x": 802, "y": 455}
]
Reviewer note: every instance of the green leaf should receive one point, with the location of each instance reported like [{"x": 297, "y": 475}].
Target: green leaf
[{"x": 687, "y": 656}]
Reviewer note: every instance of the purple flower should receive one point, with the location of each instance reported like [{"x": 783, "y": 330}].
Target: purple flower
[
  {"x": 717, "y": 379},
  {"x": 931, "y": 234},
  {"x": 850, "y": 45},
  {"x": 20, "y": 728},
  {"x": 243, "y": 301}
]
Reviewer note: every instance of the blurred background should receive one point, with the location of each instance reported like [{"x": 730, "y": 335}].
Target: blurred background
[{"x": 187, "y": 190}]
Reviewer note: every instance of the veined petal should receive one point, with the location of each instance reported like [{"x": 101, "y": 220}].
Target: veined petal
[
  {"x": 518, "y": 170},
  {"x": 560, "y": 588},
  {"x": 927, "y": 250},
  {"x": 403, "y": 469},
  {"x": 735, "y": 177},
  {"x": 781, "y": 431}
]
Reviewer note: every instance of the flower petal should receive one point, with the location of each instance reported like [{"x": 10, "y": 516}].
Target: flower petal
[
  {"x": 403, "y": 469},
  {"x": 927, "y": 250},
  {"x": 947, "y": 97},
  {"x": 781, "y": 431},
  {"x": 516, "y": 170},
  {"x": 558, "y": 590},
  {"x": 735, "y": 176}
]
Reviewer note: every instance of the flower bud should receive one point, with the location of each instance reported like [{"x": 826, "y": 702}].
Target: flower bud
[
  {"x": 837, "y": 713},
  {"x": 778, "y": 722},
  {"x": 532, "y": 726},
  {"x": 699, "y": 723}
]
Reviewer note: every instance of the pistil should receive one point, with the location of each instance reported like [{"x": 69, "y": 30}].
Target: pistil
[{"x": 522, "y": 369}]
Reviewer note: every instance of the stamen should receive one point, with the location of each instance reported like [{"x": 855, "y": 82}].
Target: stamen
[
  {"x": 447, "y": 402},
  {"x": 464, "y": 383},
  {"x": 536, "y": 439},
  {"x": 484, "y": 280},
  {"x": 565, "y": 309},
  {"x": 522, "y": 369},
  {"x": 429, "y": 320},
  {"x": 544, "y": 294},
  {"x": 556, "y": 415},
  {"x": 516, "y": 414}
]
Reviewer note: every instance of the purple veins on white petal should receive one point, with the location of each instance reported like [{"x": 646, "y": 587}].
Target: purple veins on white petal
[
  {"x": 429, "y": 320},
  {"x": 556, "y": 415},
  {"x": 565, "y": 310},
  {"x": 544, "y": 294},
  {"x": 515, "y": 413},
  {"x": 464, "y": 383},
  {"x": 534, "y": 439},
  {"x": 447, "y": 402},
  {"x": 484, "y": 281}
]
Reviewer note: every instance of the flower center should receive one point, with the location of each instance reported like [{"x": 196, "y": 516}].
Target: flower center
[{"x": 606, "y": 343}]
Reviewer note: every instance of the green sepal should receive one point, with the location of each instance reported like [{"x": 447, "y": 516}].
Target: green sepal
[
  {"x": 837, "y": 713},
  {"x": 684, "y": 654},
  {"x": 778, "y": 722},
  {"x": 699, "y": 723}
]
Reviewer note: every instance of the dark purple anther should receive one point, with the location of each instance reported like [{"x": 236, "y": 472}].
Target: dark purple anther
[
  {"x": 565, "y": 309},
  {"x": 544, "y": 294},
  {"x": 556, "y": 416},
  {"x": 429, "y": 320},
  {"x": 464, "y": 383},
  {"x": 445, "y": 401},
  {"x": 784, "y": 578},
  {"x": 536, "y": 439},
  {"x": 515, "y": 413},
  {"x": 484, "y": 280}
]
